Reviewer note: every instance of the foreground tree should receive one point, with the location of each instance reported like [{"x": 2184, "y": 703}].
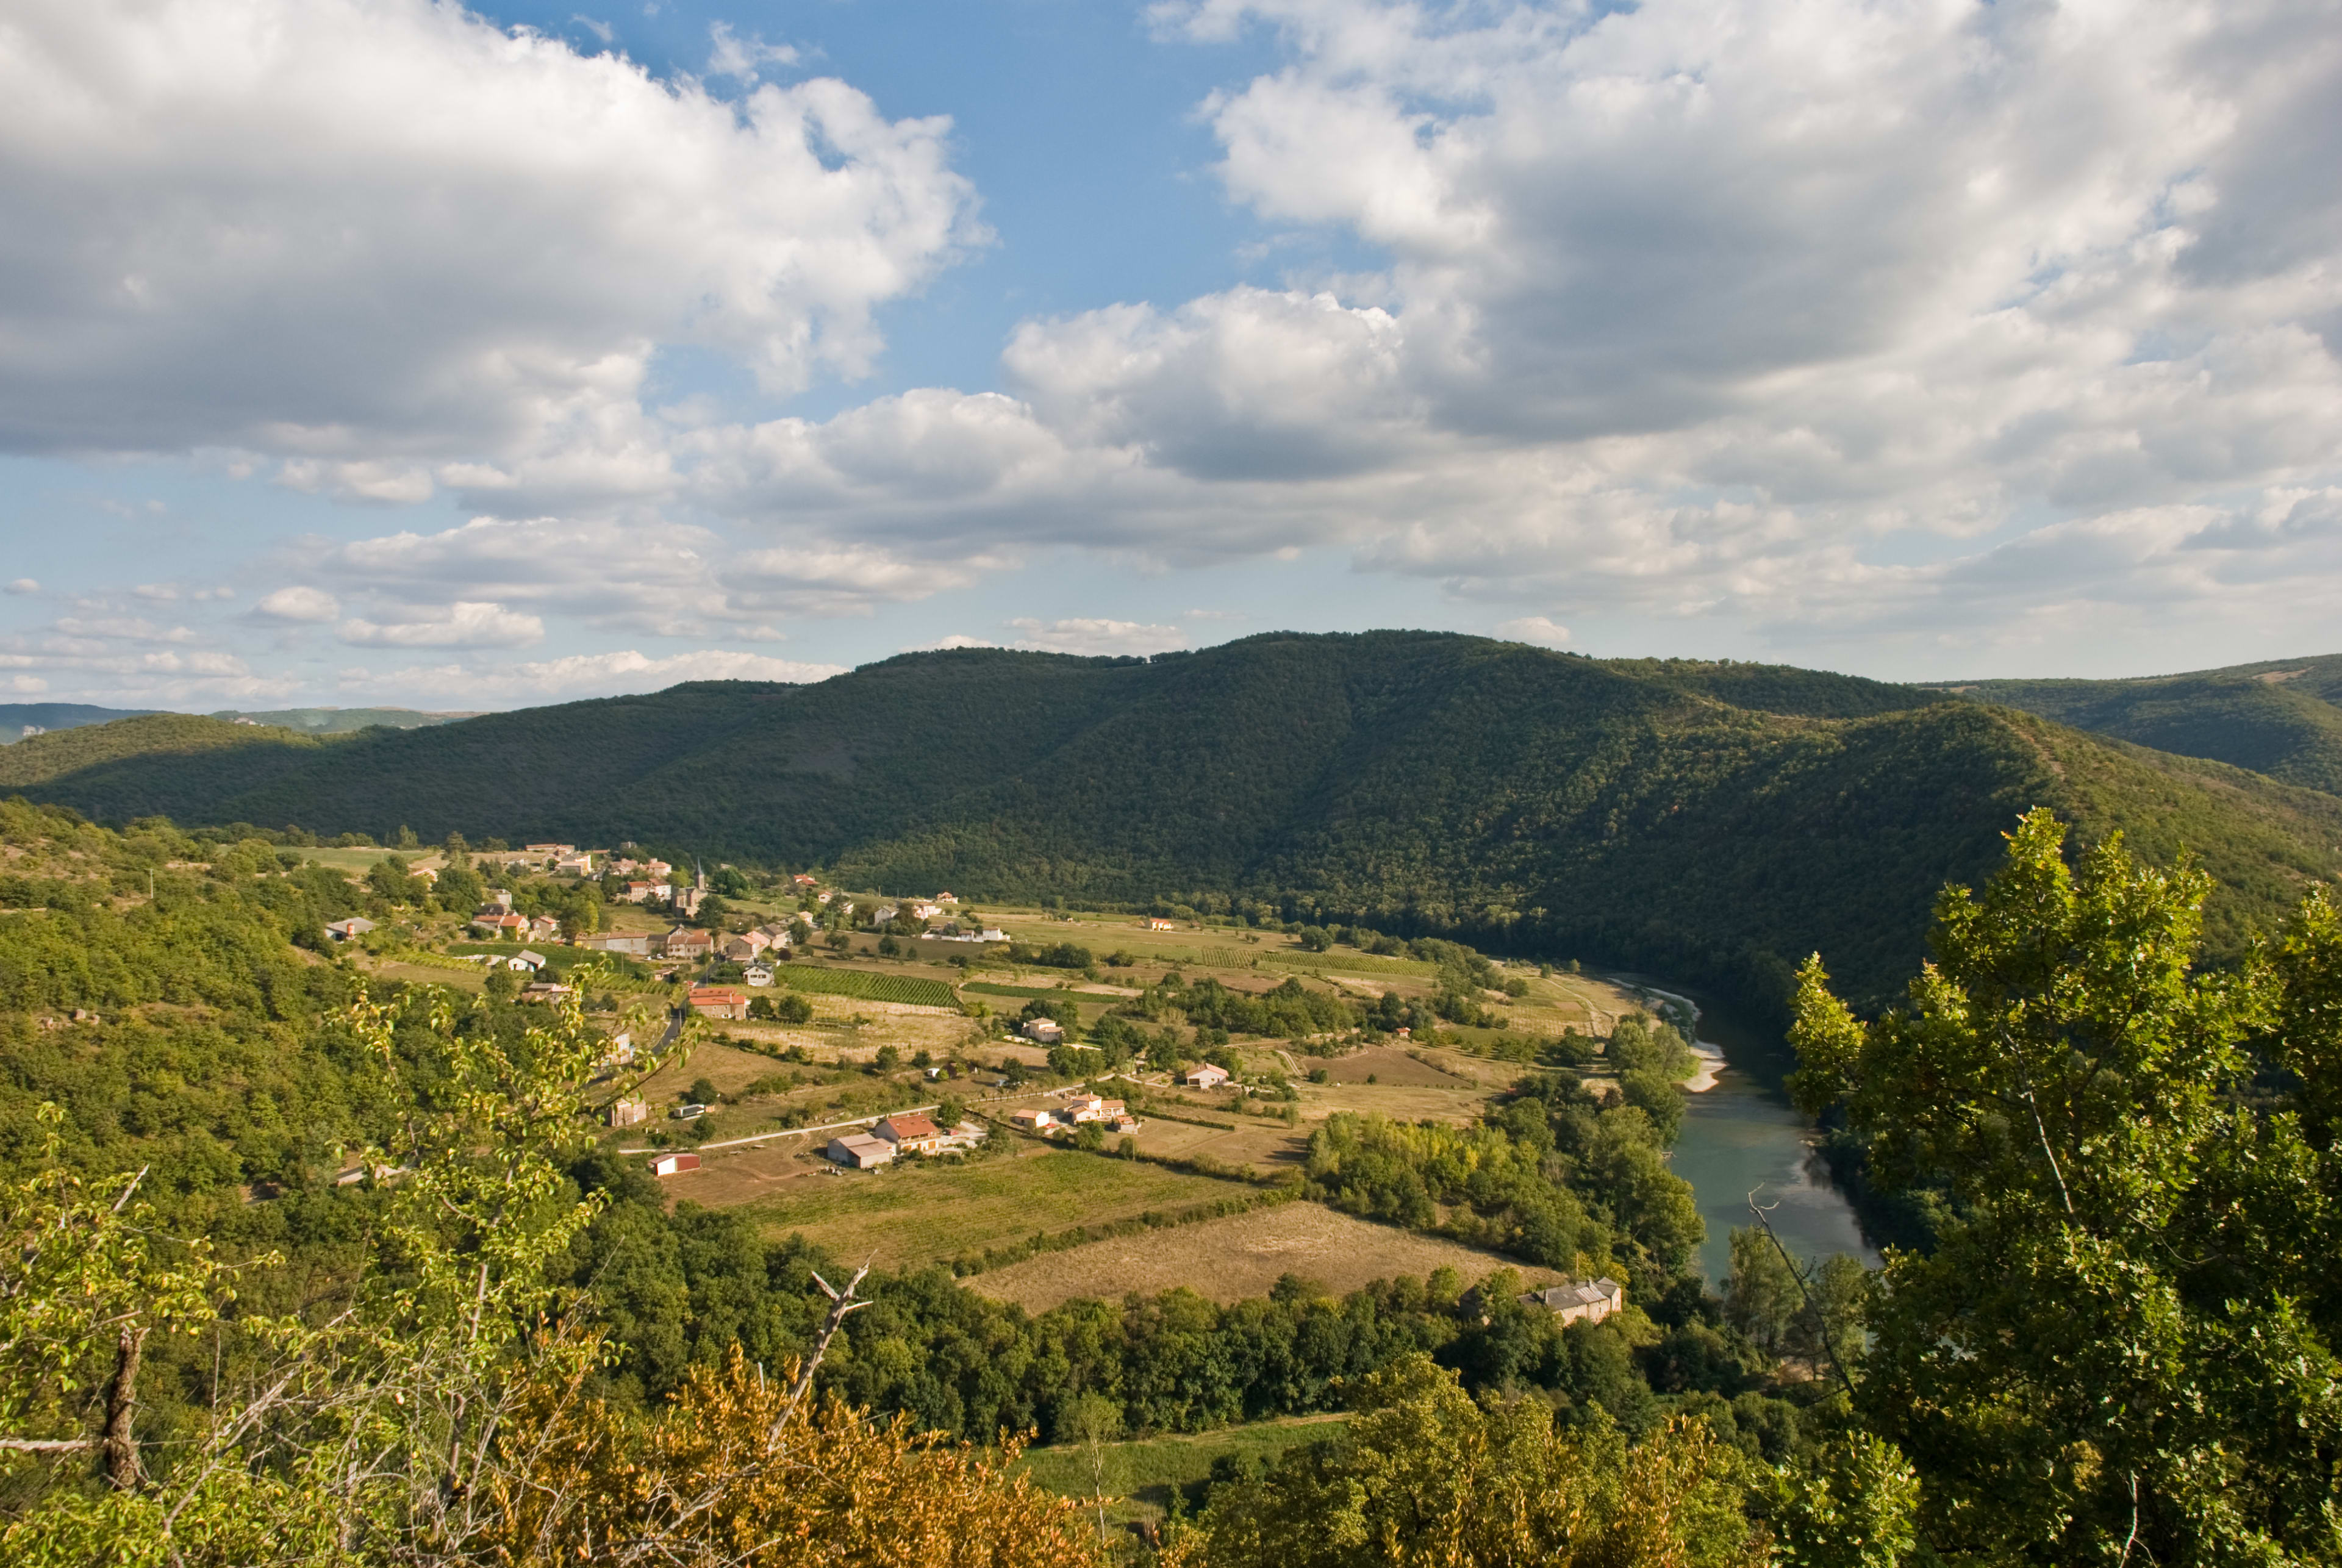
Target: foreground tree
[
  {"x": 427, "y": 1411},
  {"x": 2122, "y": 1348},
  {"x": 1426, "y": 1476}
]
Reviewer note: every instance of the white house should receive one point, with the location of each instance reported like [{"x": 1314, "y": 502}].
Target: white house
[
  {"x": 1206, "y": 1076},
  {"x": 673, "y": 1164}
]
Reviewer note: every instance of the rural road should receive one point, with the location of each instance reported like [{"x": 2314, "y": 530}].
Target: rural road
[{"x": 784, "y": 1133}]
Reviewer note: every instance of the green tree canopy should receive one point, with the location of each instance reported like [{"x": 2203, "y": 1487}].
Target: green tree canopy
[{"x": 2122, "y": 1347}]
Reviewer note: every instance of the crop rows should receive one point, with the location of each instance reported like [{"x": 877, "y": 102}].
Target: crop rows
[{"x": 861, "y": 984}]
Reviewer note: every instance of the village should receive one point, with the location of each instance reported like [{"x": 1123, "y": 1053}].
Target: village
[{"x": 901, "y": 1078}]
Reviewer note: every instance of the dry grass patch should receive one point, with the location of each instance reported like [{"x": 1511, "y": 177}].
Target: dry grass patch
[
  {"x": 1242, "y": 1256},
  {"x": 909, "y": 1215}
]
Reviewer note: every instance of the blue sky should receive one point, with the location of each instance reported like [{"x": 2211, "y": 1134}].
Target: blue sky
[{"x": 375, "y": 351}]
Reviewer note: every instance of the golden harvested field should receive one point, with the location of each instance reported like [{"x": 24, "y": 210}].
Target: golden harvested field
[
  {"x": 1261, "y": 1145},
  {"x": 1242, "y": 1256},
  {"x": 901, "y": 1217}
]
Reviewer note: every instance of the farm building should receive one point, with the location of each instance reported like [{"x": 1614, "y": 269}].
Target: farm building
[
  {"x": 860, "y": 1151},
  {"x": 911, "y": 1133},
  {"x": 528, "y": 960},
  {"x": 720, "y": 1001},
  {"x": 542, "y": 849},
  {"x": 1571, "y": 1302},
  {"x": 546, "y": 991},
  {"x": 1205, "y": 1077},
  {"x": 673, "y": 1164},
  {"x": 1154, "y": 924},
  {"x": 630, "y": 1112},
  {"x": 637, "y": 946},
  {"x": 1044, "y": 1031},
  {"x": 342, "y": 930}
]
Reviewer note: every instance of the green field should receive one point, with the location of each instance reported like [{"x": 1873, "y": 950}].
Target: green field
[
  {"x": 908, "y": 1216},
  {"x": 1347, "y": 963},
  {"x": 861, "y": 984},
  {"x": 1140, "y": 1476},
  {"x": 559, "y": 959}
]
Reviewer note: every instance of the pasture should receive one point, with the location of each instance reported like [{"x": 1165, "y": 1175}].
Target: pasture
[
  {"x": 1241, "y": 1255},
  {"x": 913, "y": 1214}
]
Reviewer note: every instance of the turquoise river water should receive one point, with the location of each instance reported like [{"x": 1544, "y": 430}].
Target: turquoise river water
[{"x": 1741, "y": 1135}]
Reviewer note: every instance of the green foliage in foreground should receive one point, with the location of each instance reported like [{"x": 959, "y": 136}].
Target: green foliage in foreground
[
  {"x": 1706, "y": 821},
  {"x": 2123, "y": 1344},
  {"x": 1423, "y": 1475}
]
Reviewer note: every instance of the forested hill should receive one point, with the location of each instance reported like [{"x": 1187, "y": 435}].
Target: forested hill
[
  {"x": 1712, "y": 821},
  {"x": 16, "y": 718},
  {"x": 2282, "y": 718}
]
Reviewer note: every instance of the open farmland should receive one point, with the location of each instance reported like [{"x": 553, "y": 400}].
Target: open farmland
[
  {"x": 1239, "y": 1256},
  {"x": 911, "y": 1215},
  {"x": 908, "y": 990}
]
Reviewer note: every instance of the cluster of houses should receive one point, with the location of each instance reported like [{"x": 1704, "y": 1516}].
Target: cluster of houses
[
  {"x": 1048, "y": 1121},
  {"x": 903, "y": 1132},
  {"x": 690, "y": 945}
]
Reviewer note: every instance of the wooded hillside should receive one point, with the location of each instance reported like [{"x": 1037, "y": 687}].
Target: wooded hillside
[{"x": 1714, "y": 822}]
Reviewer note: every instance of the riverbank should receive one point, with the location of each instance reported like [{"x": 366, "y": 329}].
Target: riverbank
[{"x": 1743, "y": 1142}]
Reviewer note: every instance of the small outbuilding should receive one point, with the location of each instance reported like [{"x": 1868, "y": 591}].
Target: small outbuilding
[
  {"x": 673, "y": 1164},
  {"x": 342, "y": 930},
  {"x": 860, "y": 1151}
]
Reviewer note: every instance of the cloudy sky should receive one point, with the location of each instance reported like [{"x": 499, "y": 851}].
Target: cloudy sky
[{"x": 381, "y": 351}]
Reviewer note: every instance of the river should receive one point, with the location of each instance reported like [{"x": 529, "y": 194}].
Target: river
[{"x": 1740, "y": 1134}]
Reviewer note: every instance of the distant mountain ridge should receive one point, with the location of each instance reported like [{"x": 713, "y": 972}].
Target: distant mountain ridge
[
  {"x": 341, "y": 720},
  {"x": 2282, "y": 717},
  {"x": 16, "y": 718},
  {"x": 1714, "y": 822}
]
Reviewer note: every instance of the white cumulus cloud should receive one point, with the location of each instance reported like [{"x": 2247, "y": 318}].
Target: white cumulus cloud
[
  {"x": 367, "y": 234},
  {"x": 465, "y": 623},
  {"x": 1539, "y": 629},
  {"x": 297, "y": 603}
]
